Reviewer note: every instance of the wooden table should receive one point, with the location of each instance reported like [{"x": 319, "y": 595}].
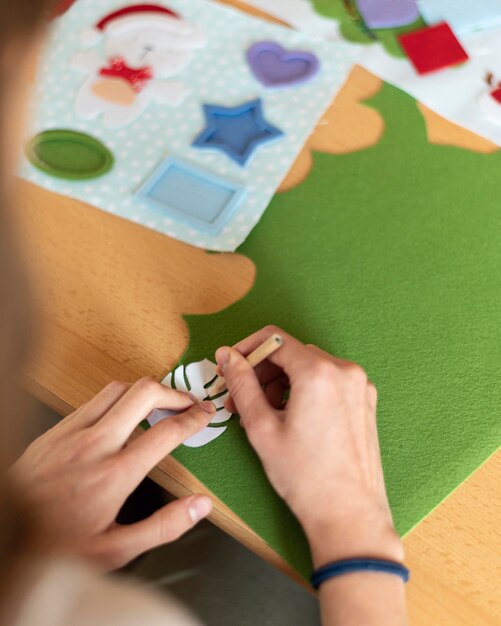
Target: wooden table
[{"x": 111, "y": 295}]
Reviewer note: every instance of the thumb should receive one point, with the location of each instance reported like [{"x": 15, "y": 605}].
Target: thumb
[
  {"x": 125, "y": 542},
  {"x": 243, "y": 385}
]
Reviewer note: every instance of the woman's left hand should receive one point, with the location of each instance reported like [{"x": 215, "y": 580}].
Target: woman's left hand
[{"x": 77, "y": 475}]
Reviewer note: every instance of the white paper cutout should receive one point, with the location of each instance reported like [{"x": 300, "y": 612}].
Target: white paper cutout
[
  {"x": 160, "y": 45},
  {"x": 157, "y": 415},
  {"x": 198, "y": 375},
  {"x": 459, "y": 94}
]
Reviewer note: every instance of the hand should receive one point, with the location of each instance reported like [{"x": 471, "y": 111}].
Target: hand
[
  {"x": 319, "y": 449},
  {"x": 77, "y": 475}
]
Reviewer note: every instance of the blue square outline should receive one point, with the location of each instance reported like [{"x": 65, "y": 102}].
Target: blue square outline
[{"x": 210, "y": 228}]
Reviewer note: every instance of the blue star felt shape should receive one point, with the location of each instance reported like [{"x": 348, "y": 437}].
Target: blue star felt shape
[{"x": 236, "y": 131}]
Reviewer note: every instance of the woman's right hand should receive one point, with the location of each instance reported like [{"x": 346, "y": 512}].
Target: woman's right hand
[{"x": 319, "y": 449}]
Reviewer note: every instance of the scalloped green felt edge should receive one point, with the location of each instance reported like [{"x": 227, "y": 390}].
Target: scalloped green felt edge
[{"x": 389, "y": 257}]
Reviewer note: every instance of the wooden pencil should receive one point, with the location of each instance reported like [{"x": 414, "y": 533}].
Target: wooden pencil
[{"x": 258, "y": 355}]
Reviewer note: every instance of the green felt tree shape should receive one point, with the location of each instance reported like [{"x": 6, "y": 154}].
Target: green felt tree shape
[{"x": 390, "y": 257}]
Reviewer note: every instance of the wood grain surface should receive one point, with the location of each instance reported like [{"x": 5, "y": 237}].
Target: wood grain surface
[{"x": 111, "y": 295}]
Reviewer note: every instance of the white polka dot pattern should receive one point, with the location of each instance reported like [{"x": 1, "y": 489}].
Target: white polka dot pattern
[{"x": 217, "y": 74}]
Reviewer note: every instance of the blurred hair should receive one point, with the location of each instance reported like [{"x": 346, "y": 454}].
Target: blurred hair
[{"x": 20, "y": 24}]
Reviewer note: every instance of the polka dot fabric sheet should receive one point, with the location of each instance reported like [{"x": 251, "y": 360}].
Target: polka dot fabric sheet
[{"x": 208, "y": 68}]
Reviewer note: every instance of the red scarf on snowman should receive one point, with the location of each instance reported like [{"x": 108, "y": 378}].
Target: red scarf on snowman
[{"x": 137, "y": 78}]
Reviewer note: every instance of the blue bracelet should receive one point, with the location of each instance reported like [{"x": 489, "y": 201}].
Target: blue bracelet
[{"x": 357, "y": 565}]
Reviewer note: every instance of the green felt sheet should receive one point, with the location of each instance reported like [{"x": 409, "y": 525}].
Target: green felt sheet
[{"x": 390, "y": 257}]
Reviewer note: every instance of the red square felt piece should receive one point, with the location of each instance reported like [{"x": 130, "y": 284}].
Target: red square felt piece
[{"x": 433, "y": 48}]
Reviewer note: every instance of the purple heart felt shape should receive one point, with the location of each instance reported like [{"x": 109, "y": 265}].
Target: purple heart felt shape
[{"x": 274, "y": 66}]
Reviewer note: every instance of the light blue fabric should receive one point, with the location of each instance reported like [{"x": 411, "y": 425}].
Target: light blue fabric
[
  {"x": 463, "y": 16},
  {"x": 217, "y": 74},
  {"x": 193, "y": 196}
]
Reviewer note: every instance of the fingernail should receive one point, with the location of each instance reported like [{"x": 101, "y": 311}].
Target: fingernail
[
  {"x": 199, "y": 508},
  {"x": 207, "y": 406},
  {"x": 192, "y": 397},
  {"x": 223, "y": 357}
]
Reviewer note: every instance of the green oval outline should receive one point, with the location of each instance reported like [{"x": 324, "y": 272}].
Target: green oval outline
[{"x": 59, "y": 134}]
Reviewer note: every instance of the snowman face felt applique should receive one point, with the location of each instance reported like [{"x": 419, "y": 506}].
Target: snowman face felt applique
[
  {"x": 143, "y": 45},
  {"x": 164, "y": 45}
]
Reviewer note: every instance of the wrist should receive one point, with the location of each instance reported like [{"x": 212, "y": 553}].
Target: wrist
[{"x": 346, "y": 539}]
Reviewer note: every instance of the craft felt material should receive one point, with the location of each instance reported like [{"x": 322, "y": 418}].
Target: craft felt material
[
  {"x": 68, "y": 154},
  {"x": 143, "y": 46},
  {"x": 236, "y": 131},
  {"x": 388, "y": 257},
  {"x": 388, "y": 13},
  {"x": 495, "y": 94},
  {"x": 141, "y": 91},
  {"x": 433, "y": 48},
  {"x": 462, "y": 94},
  {"x": 464, "y": 16},
  {"x": 343, "y": 20},
  {"x": 276, "y": 67},
  {"x": 192, "y": 195},
  {"x": 352, "y": 26}
]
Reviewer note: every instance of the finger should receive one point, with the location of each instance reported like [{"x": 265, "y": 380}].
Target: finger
[
  {"x": 274, "y": 393},
  {"x": 293, "y": 357},
  {"x": 372, "y": 398},
  {"x": 124, "y": 543},
  {"x": 266, "y": 371},
  {"x": 244, "y": 387},
  {"x": 136, "y": 404},
  {"x": 141, "y": 455},
  {"x": 282, "y": 382},
  {"x": 91, "y": 412},
  {"x": 229, "y": 405}
]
